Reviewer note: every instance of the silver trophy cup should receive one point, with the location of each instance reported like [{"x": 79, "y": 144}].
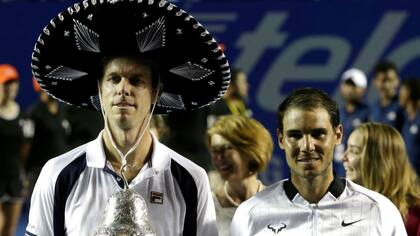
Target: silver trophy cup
[{"x": 125, "y": 215}]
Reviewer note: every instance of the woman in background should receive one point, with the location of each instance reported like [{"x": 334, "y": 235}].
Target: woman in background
[
  {"x": 240, "y": 148},
  {"x": 376, "y": 158},
  {"x": 11, "y": 143}
]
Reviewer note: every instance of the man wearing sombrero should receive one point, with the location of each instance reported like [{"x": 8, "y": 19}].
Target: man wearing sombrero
[{"x": 128, "y": 59}]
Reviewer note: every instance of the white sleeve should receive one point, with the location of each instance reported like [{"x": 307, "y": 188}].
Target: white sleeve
[
  {"x": 399, "y": 230},
  {"x": 42, "y": 205},
  {"x": 206, "y": 214},
  {"x": 392, "y": 220},
  {"x": 239, "y": 225}
]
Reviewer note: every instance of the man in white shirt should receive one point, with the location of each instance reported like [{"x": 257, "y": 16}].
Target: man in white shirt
[
  {"x": 313, "y": 201},
  {"x": 128, "y": 59}
]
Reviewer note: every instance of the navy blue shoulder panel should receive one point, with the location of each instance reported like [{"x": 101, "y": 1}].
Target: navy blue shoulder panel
[
  {"x": 189, "y": 192},
  {"x": 63, "y": 186},
  {"x": 27, "y": 233}
]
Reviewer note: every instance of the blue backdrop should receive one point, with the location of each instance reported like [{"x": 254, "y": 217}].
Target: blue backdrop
[{"x": 281, "y": 44}]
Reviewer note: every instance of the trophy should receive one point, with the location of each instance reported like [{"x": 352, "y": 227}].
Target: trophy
[{"x": 125, "y": 214}]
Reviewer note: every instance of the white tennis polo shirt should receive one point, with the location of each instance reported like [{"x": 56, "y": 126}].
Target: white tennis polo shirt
[
  {"x": 73, "y": 189},
  {"x": 346, "y": 209}
]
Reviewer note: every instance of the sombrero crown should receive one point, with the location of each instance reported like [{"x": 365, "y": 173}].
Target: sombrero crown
[{"x": 193, "y": 69}]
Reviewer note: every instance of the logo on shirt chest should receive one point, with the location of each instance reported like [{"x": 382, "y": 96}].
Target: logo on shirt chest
[
  {"x": 276, "y": 228},
  {"x": 345, "y": 224},
  {"x": 156, "y": 197}
]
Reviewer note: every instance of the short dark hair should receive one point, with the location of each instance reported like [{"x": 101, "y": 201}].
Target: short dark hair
[
  {"x": 154, "y": 70},
  {"x": 309, "y": 98},
  {"x": 384, "y": 66},
  {"x": 413, "y": 85}
]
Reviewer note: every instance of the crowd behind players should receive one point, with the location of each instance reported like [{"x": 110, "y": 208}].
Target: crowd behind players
[
  {"x": 230, "y": 145},
  {"x": 398, "y": 105}
]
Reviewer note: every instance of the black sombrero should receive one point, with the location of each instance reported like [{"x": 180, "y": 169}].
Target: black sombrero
[{"x": 193, "y": 69}]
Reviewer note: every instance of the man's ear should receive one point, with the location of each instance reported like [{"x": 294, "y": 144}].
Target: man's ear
[
  {"x": 338, "y": 134},
  {"x": 280, "y": 138}
]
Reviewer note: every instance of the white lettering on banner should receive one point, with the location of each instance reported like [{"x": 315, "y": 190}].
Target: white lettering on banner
[
  {"x": 378, "y": 42},
  {"x": 406, "y": 52},
  {"x": 254, "y": 44},
  {"x": 376, "y": 45},
  {"x": 285, "y": 67}
]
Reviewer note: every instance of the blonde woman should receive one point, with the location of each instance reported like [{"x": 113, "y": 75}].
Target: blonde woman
[
  {"x": 240, "y": 148},
  {"x": 376, "y": 158}
]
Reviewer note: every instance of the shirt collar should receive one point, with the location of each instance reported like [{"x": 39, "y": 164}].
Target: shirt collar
[
  {"x": 95, "y": 154},
  {"x": 161, "y": 159},
  {"x": 336, "y": 188}
]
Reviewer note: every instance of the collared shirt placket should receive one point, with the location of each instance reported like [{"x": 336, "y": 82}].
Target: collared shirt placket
[{"x": 314, "y": 213}]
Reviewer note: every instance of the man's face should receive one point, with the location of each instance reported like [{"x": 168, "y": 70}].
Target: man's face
[
  {"x": 308, "y": 140},
  {"x": 351, "y": 93},
  {"x": 127, "y": 91},
  {"x": 387, "y": 83},
  {"x": 11, "y": 89}
]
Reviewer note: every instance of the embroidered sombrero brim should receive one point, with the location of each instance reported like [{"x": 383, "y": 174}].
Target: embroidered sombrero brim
[{"x": 66, "y": 57}]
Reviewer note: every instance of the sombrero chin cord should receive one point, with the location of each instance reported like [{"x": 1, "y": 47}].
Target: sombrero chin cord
[{"x": 110, "y": 136}]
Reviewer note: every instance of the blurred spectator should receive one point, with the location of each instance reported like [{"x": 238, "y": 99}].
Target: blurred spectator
[
  {"x": 240, "y": 148},
  {"x": 186, "y": 135},
  {"x": 387, "y": 109},
  {"x": 410, "y": 101},
  {"x": 235, "y": 99},
  {"x": 1, "y": 92},
  {"x": 12, "y": 135},
  {"x": 85, "y": 125},
  {"x": 187, "y": 129},
  {"x": 50, "y": 133},
  {"x": 353, "y": 112},
  {"x": 376, "y": 158}
]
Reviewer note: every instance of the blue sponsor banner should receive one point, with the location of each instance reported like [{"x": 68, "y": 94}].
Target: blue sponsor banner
[
  {"x": 284, "y": 45},
  {"x": 281, "y": 44}
]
